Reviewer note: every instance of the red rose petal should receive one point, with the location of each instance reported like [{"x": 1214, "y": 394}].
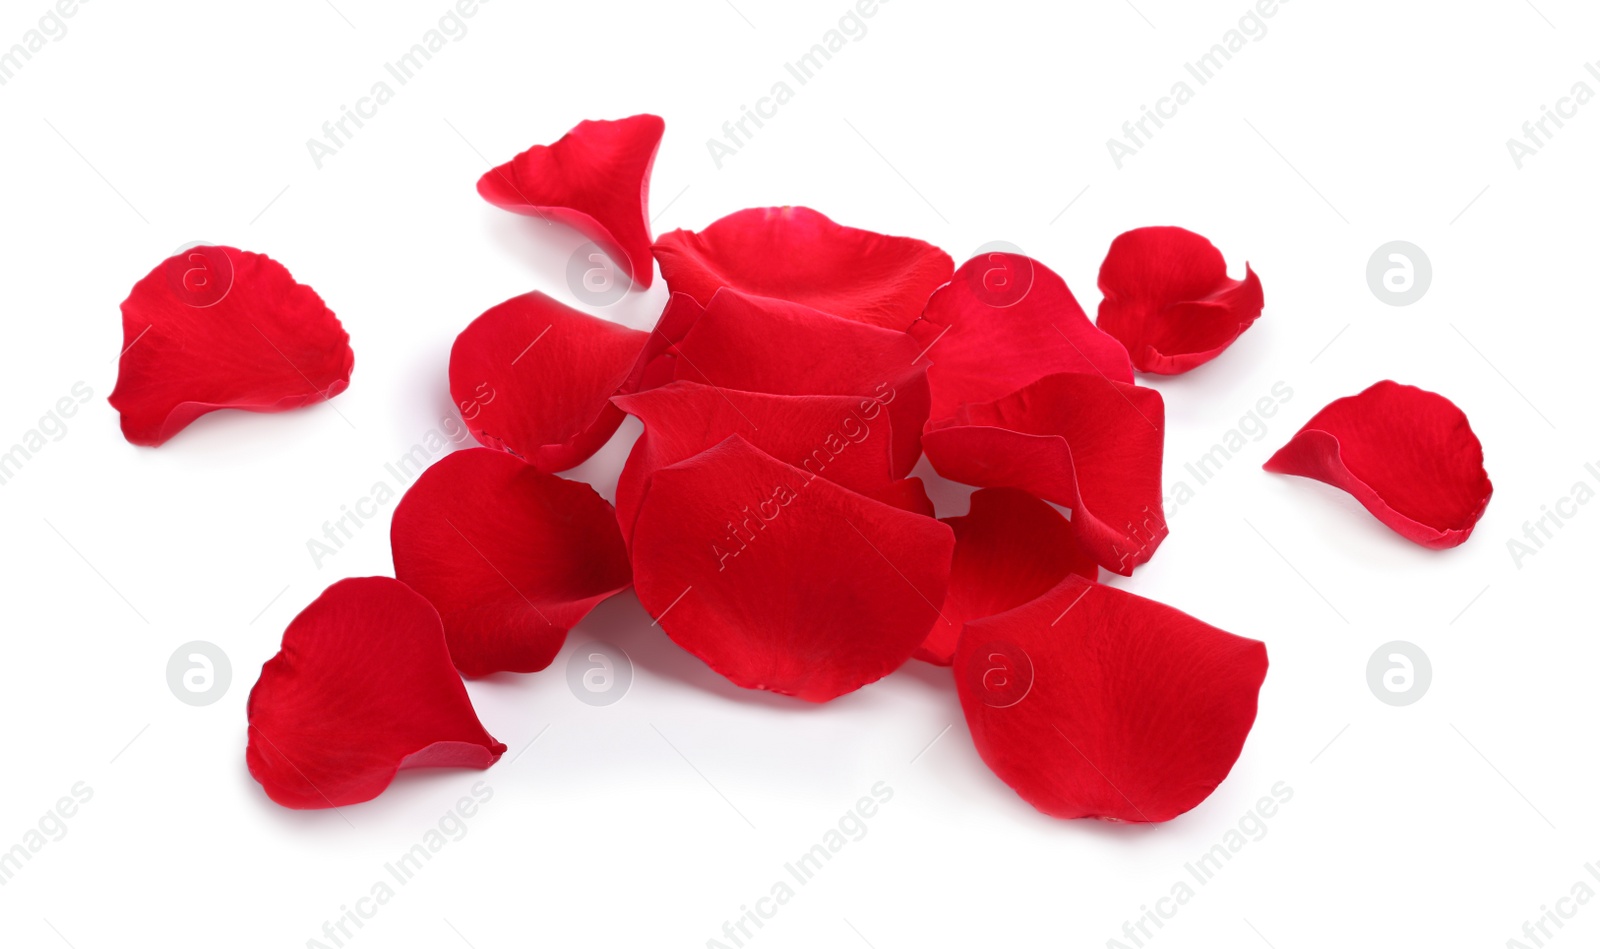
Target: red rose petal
[
  {"x": 1081, "y": 441},
  {"x": 511, "y": 558},
  {"x": 829, "y": 436},
  {"x": 1003, "y": 321},
  {"x": 907, "y": 494},
  {"x": 535, "y": 377},
  {"x": 1407, "y": 454},
  {"x": 1093, "y": 702},
  {"x": 798, "y": 254},
  {"x": 784, "y": 582},
  {"x": 1011, "y": 548},
  {"x": 361, "y": 688},
  {"x": 767, "y": 345},
  {"x": 1167, "y": 296},
  {"x": 596, "y": 180},
  {"x": 221, "y": 328}
]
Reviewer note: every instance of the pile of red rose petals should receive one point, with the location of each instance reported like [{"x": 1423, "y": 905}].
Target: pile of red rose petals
[{"x": 766, "y": 516}]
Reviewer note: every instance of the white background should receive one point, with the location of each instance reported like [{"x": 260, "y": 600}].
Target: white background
[{"x": 652, "y": 821}]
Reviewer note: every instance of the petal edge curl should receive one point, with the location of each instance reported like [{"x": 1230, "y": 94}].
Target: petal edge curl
[
  {"x": 596, "y": 180},
  {"x": 216, "y": 327},
  {"x": 1409, "y": 456},
  {"x": 361, "y": 689},
  {"x": 1168, "y": 298}
]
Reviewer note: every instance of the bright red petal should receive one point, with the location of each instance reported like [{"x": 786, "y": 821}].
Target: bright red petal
[
  {"x": 1167, "y": 296},
  {"x": 362, "y": 688},
  {"x": 781, "y": 581},
  {"x": 220, "y": 328},
  {"x": 511, "y": 558},
  {"x": 1407, "y": 454},
  {"x": 843, "y": 438},
  {"x": 766, "y": 345},
  {"x": 907, "y": 494},
  {"x": 1003, "y": 321},
  {"x": 1093, "y": 702},
  {"x": 596, "y": 180},
  {"x": 1011, "y": 548},
  {"x": 1081, "y": 441},
  {"x": 798, "y": 254},
  {"x": 535, "y": 377}
]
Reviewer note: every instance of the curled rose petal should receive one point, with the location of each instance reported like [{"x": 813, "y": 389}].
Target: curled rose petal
[
  {"x": 781, "y": 581},
  {"x": 1093, "y": 702},
  {"x": 1003, "y": 321},
  {"x": 1407, "y": 454},
  {"x": 797, "y": 254},
  {"x": 1167, "y": 296},
  {"x": 596, "y": 180},
  {"x": 1080, "y": 441},
  {"x": 362, "y": 688},
  {"x": 843, "y": 438},
  {"x": 535, "y": 377},
  {"x": 220, "y": 328},
  {"x": 1011, "y": 548},
  {"x": 767, "y": 345},
  {"x": 511, "y": 558}
]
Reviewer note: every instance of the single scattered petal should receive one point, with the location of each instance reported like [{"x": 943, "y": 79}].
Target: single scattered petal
[
  {"x": 361, "y": 688},
  {"x": 1003, "y": 321},
  {"x": 220, "y": 328},
  {"x": 797, "y": 254},
  {"x": 1167, "y": 296},
  {"x": 1080, "y": 441},
  {"x": 1407, "y": 454},
  {"x": 1093, "y": 702},
  {"x": 596, "y": 180},
  {"x": 843, "y": 438},
  {"x": 781, "y": 581},
  {"x": 1011, "y": 548},
  {"x": 510, "y": 557},
  {"x": 759, "y": 344},
  {"x": 535, "y": 377}
]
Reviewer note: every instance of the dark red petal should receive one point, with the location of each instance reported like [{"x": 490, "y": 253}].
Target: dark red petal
[
  {"x": 1407, "y": 454},
  {"x": 220, "y": 328},
  {"x": 843, "y": 438},
  {"x": 361, "y": 688},
  {"x": 1081, "y": 441},
  {"x": 798, "y": 254},
  {"x": 1003, "y": 321},
  {"x": 1167, "y": 296},
  {"x": 535, "y": 377},
  {"x": 782, "y": 581},
  {"x": 511, "y": 558},
  {"x": 596, "y": 180},
  {"x": 1011, "y": 547},
  {"x": 1093, "y": 702},
  {"x": 766, "y": 345}
]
